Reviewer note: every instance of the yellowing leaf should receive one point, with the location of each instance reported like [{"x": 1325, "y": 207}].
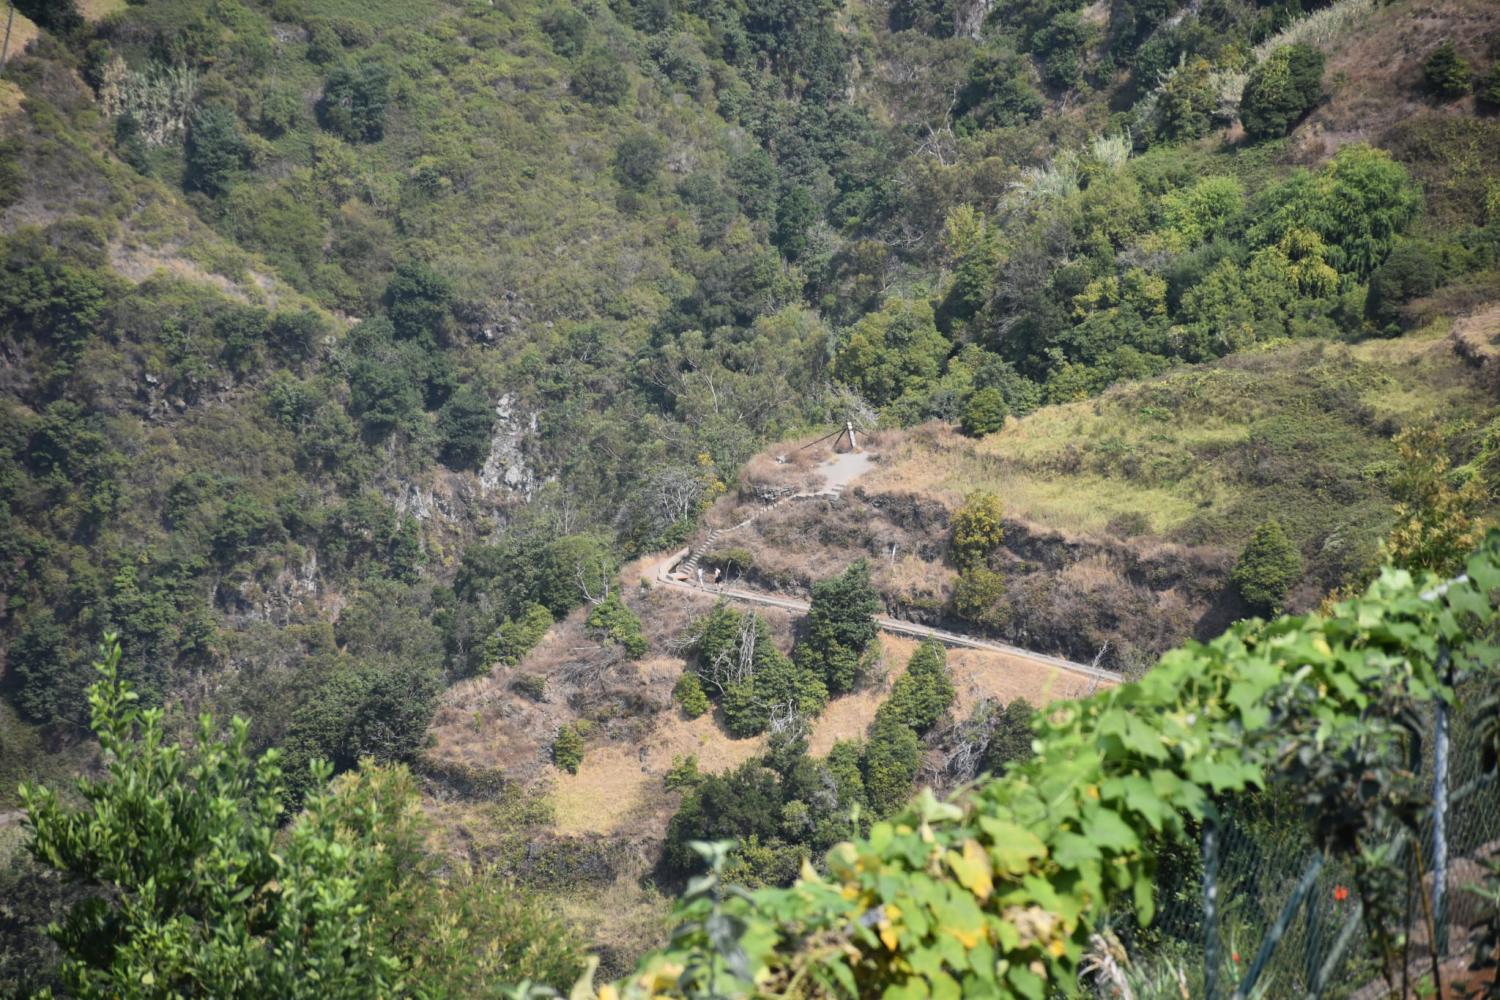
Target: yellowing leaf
[{"x": 972, "y": 869}]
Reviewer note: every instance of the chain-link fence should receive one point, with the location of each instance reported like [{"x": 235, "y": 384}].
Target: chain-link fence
[{"x": 1255, "y": 909}]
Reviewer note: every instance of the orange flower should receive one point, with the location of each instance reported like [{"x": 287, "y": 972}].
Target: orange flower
[
  {"x": 1236, "y": 956},
  {"x": 1340, "y": 893}
]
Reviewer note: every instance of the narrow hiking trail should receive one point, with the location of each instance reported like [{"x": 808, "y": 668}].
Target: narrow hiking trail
[{"x": 680, "y": 569}]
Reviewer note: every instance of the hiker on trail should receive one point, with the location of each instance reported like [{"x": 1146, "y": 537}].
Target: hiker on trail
[
  {"x": 700, "y": 577},
  {"x": 717, "y": 571}
]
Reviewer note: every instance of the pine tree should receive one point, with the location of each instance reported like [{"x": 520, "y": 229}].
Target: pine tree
[{"x": 1267, "y": 568}]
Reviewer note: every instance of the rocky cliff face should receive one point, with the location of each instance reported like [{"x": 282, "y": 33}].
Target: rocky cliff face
[{"x": 506, "y": 467}]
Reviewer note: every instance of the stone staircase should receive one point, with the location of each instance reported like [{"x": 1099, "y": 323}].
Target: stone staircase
[{"x": 690, "y": 564}]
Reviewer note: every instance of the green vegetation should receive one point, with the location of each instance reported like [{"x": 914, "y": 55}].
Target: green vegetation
[
  {"x": 1207, "y": 454},
  {"x": 753, "y": 681},
  {"x": 567, "y": 749},
  {"x": 840, "y": 629},
  {"x": 985, "y": 413},
  {"x": 1446, "y": 73},
  {"x": 351, "y": 346},
  {"x": 781, "y": 809},
  {"x": 207, "y": 890},
  {"x": 611, "y": 619},
  {"x": 516, "y": 637},
  {"x": 924, "y": 692},
  {"x": 1281, "y": 90},
  {"x": 1267, "y": 568},
  {"x": 689, "y": 693},
  {"x": 978, "y": 529},
  {"x": 1119, "y": 778}
]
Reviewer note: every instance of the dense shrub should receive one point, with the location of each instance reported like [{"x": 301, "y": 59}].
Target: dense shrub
[
  {"x": 922, "y": 694},
  {"x": 215, "y": 150},
  {"x": 601, "y": 79},
  {"x": 567, "y": 749},
  {"x": 344, "y": 893},
  {"x": 1446, "y": 73},
  {"x": 518, "y": 636},
  {"x": 1187, "y": 101},
  {"x": 638, "y": 159},
  {"x": 567, "y": 29},
  {"x": 612, "y": 620},
  {"x": 463, "y": 427},
  {"x": 892, "y": 756},
  {"x": 891, "y": 352},
  {"x": 1010, "y": 737},
  {"x": 1267, "y": 568},
  {"x": 1281, "y": 90},
  {"x": 1411, "y": 271},
  {"x": 978, "y": 529},
  {"x": 985, "y": 413},
  {"x": 979, "y": 596},
  {"x": 778, "y": 687},
  {"x": 354, "y": 101},
  {"x": 840, "y": 627},
  {"x": 999, "y": 91},
  {"x": 689, "y": 693},
  {"x": 684, "y": 771},
  {"x": 530, "y": 686},
  {"x": 1487, "y": 88},
  {"x": 1358, "y": 204},
  {"x": 417, "y": 299}
]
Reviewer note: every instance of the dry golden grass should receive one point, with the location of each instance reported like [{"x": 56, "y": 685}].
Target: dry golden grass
[
  {"x": 22, "y": 32},
  {"x": 977, "y": 674},
  {"x": 910, "y": 581},
  {"x": 96, "y": 10},
  {"x": 10, "y": 103},
  {"x": 619, "y": 788},
  {"x": 1374, "y": 70}
]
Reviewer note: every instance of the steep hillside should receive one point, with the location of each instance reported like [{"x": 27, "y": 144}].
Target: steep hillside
[{"x": 356, "y": 355}]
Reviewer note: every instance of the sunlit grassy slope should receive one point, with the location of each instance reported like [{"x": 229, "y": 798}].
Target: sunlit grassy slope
[{"x": 1299, "y": 431}]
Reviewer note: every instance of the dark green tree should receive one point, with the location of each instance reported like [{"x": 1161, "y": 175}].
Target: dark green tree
[
  {"x": 463, "y": 426},
  {"x": 1446, "y": 73},
  {"x": 999, "y": 91},
  {"x": 1281, "y": 90},
  {"x": 416, "y": 300},
  {"x": 1060, "y": 47},
  {"x": 1411, "y": 271},
  {"x": 638, "y": 159},
  {"x": 1487, "y": 88},
  {"x": 1010, "y": 736},
  {"x": 567, "y": 749},
  {"x": 601, "y": 79},
  {"x": 354, "y": 101},
  {"x": 985, "y": 413},
  {"x": 840, "y": 627},
  {"x": 795, "y": 212},
  {"x": 922, "y": 694},
  {"x": 1267, "y": 568},
  {"x": 567, "y": 29},
  {"x": 215, "y": 150},
  {"x": 1187, "y": 101},
  {"x": 893, "y": 754}
]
